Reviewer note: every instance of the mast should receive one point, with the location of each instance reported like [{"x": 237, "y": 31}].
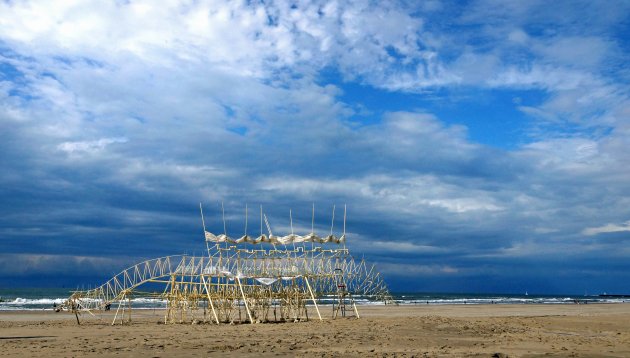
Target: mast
[
  {"x": 203, "y": 223},
  {"x": 344, "y": 228},
  {"x": 332, "y": 224}
]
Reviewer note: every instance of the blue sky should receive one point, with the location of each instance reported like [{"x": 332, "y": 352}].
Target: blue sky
[{"x": 479, "y": 145}]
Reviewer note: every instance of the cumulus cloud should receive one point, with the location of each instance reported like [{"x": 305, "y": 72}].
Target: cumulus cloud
[
  {"x": 118, "y": 118},
  {"x": 89, "y": 146},
  {"x": 238, "y": 37},
  {"x": 590, "y": 231}
]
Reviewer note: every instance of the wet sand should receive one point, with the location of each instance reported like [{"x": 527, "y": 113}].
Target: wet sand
[{"x": 593, "y": 330}]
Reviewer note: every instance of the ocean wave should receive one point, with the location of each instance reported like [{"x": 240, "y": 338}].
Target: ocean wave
[
  {"x": 21, "y": 303},
  {"x": 34, "y": 301}
]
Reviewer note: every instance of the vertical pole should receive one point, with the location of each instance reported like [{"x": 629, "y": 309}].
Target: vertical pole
[
  {"x": 203, "y": 223},
  {"x": 270, "y": 233},
  {"x": 292, "y": 238},
  {"x": 332, "y": 224},
  {"x": 313, "y": 231},
  {"x": 129, "y": 303},
  {"x": 344, "y": 227},
  {"x": 344, "y": 219},
  {"x": 169, "y": 302},
  {"x": 223, "y": 213},
  {"x": 224, "y": 226}
]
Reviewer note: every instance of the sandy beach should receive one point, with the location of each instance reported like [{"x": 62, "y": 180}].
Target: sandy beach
[{"x": 594, "y": 330}]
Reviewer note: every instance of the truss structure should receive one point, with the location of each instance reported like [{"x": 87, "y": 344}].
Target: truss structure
[{"x": 262, "y": 279}]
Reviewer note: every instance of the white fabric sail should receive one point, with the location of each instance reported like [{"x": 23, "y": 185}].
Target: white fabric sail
[{"x": 276, "y": 240}]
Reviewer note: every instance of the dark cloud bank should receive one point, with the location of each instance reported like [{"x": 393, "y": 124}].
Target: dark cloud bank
[{"x": 106, "y": 150}]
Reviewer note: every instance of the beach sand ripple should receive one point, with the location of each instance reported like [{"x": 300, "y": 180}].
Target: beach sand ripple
[{"x": 601, "y": 330}]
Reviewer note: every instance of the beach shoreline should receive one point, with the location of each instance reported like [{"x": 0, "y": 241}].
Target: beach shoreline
[{"x": 405, "y": 331}]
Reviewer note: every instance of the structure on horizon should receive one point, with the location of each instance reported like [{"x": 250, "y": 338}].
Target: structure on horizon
[{"x": 255, "y": 279}]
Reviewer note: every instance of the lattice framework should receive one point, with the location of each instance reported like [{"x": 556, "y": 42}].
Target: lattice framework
[{"x": 275, "y": 278}]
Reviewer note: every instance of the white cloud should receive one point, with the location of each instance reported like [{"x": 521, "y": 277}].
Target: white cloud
[
  {"x": 540, "y": 76},
  {"x": 407, "y": 194},
  {"x": 608, "y": 228},
  {"x": 571, "y": 154},
  {"x": 89, "y": 146},
  {"x": 574, "y": 52},
  {"x": 380, "y": 43},
  {"x": 407, "y": 247},
  {"x": 175, "y": 103},
  {"x": 407, "y": 270},
  {"x": 519, "y": 36}
]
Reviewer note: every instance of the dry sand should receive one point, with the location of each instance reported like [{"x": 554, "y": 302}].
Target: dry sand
[{"x": 593, "y": 330}]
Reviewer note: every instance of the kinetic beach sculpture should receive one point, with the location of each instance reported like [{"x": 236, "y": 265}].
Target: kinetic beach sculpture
[{"x": 254, "y": 279}]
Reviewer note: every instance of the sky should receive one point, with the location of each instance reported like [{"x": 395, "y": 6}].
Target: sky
[{"x": 480, "y": 146}]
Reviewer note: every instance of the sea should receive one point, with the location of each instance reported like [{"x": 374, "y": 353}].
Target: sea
[{"x": 38, "y": 299}]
